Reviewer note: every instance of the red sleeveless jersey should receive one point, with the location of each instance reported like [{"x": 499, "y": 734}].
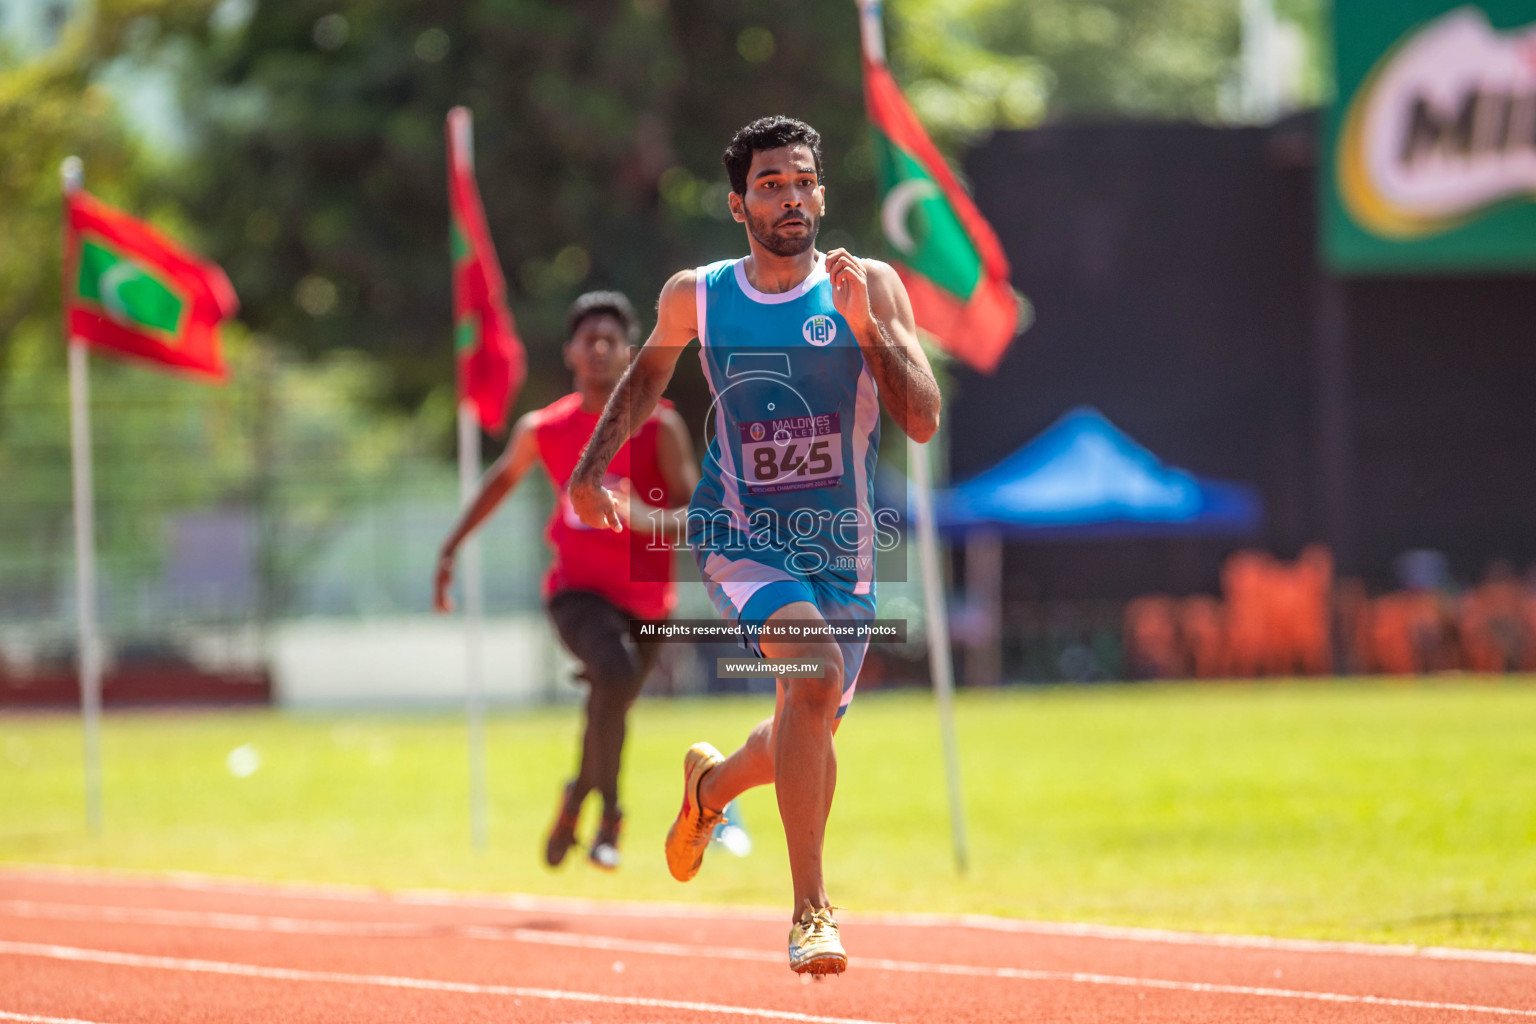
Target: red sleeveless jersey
[{"x": 606, "y": 562}]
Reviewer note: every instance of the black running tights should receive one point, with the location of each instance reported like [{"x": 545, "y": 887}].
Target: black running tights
[{"x": 615, "y": 667}]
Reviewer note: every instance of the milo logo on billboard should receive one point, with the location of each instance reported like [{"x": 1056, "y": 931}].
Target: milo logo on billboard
[{"x": 1442, "y": 130}]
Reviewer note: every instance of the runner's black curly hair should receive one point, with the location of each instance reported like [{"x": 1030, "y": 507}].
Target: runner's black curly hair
[{"x": 767, "y": 133}]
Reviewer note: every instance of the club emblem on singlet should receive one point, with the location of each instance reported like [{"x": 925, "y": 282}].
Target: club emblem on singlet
[{"x": 819, "y": 329}]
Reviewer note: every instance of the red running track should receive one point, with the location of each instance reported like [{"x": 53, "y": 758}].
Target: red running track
[{"x": 129, "y": 949}]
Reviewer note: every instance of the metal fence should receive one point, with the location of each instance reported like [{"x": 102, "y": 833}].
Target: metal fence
[{"x": 290, "y": 494}]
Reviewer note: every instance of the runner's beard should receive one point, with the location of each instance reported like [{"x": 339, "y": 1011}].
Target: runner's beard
[{"x": 767, "y": 235}]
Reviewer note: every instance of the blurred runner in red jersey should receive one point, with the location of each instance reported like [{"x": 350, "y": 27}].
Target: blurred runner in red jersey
[{"x": 598, "y": 580}]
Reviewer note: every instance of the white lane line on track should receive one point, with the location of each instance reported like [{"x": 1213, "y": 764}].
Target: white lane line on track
[
  {"x": 700, "y": 952},
  {"x": 216, "y": 919},
  {"x": 1185, "y": 986},
  {"x": 43, "y": 1020},
  {"x": 167, "y": 963},
  {"x": 193, "y": 882},
  {"x": 1125, "y": 934}
]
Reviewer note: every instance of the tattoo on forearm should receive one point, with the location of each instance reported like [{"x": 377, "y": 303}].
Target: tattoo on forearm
[
  {"x": 632, "y": 400},
  {"x": 907, "y": 387}
]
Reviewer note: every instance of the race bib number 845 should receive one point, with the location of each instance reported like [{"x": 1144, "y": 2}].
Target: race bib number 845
[{"x": 796, "y": 453}]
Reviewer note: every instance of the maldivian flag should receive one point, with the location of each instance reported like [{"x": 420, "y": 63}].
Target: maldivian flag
[
  {"x": 131, "y": 290},
  {"x": 490, "y": 356},
  {"x": 945, "y": 251}
]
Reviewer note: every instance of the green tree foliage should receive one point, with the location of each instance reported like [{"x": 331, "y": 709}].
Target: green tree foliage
[
  {"x": 295, "y": 442},
  {"x": 598, "y": 129},
  {"x": 319, "y": 175},
  {"x": 51, "y": 108},
  {"x": 316, "y": 174},
  {"x": 972, "y": 66}
]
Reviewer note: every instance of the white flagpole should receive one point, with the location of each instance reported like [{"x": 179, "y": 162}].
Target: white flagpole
[
  {"x": 73, "y": 173},
  {"x": 940, "y": 658},
  {"x": 474, "y": 586},
  {"x": 474, "y": 617}
]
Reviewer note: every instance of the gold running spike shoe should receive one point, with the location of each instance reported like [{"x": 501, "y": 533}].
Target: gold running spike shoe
[
  {"x": 814, "y": 947},
  {"x": 689, "y": 834}
]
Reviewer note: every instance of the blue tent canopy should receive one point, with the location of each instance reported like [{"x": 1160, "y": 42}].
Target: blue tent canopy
[{"x": 1083, "y": 479}]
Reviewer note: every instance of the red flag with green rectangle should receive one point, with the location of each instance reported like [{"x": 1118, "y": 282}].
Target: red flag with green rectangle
[
  {"x": 945, "y": 251},
  {"x": 489, "y": 354},
  {"x": 130, "y": 290}
]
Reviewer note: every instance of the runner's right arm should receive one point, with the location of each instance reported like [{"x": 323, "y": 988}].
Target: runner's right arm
[
  {"x": 633, "y": 399},
  {"x": 522, "y": 452},
  {"x": 674, "y": 458},
  {"x": 667, "y": 525}
]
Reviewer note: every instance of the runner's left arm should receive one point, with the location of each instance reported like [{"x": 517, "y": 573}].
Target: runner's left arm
[{"x": 871, "y": 297}]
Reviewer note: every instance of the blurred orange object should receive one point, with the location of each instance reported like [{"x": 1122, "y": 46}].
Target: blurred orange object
[
  {"x": 1407, "y": 634},
  {"x": 1203, "y": 628},
  {"x": 1151, "y": 638},
  {"x": 1311, "y": 627},
  {"x": 1495, "y": 633},
  {"x": 1245, "y": 580}
]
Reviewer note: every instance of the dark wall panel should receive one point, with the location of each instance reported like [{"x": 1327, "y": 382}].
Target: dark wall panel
[{"x": 1174, "y": 278}]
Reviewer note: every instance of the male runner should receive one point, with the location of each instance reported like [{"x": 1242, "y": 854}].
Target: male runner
[
  {"x": 592, "y": 588},
  {"x": 800, "y": 348}
]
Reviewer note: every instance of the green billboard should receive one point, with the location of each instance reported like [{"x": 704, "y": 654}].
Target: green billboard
[{"x": 1430, "y": 165}]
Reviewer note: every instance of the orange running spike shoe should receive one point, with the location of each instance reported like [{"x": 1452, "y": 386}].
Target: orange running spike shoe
[{"x": 689, "y": 834}]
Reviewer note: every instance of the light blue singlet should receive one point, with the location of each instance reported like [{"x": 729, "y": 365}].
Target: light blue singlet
[{"x": 785, "y": 507}]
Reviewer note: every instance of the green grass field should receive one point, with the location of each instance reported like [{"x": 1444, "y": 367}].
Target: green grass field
[{"x": 1391, "y": 811}]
